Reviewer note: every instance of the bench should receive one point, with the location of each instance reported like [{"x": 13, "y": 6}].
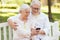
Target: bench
[{"x": 53, "y": 35}]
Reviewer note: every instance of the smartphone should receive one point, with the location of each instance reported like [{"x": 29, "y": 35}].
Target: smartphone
[{"x": 38, "y": 28}]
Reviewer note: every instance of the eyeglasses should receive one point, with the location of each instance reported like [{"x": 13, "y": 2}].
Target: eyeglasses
[
  {"x": 27, "y": 12},
  {"x": 36, "y": 8}
]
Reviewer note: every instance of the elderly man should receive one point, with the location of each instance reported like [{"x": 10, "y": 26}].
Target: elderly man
[
  {"x": 40, "y": 21},
  {"x": 21, "y": 24}
]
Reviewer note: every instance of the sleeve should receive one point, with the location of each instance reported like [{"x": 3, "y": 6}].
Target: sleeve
[
  {"x": 11, "y": 18},
  {"x": 46, "y": 26}
]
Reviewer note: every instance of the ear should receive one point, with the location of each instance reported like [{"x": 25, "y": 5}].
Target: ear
[{"x": 20, "y": 11}]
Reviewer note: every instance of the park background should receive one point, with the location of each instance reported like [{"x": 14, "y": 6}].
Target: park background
[{"x": 10, "y": 8}]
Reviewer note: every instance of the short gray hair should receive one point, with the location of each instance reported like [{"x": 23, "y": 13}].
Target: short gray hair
[
  {"x": 24, "y": 6},
  {"x": 35, "y": 2}
]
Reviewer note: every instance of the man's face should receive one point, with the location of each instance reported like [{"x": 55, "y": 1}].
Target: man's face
[{"x": 35, "y": 8}]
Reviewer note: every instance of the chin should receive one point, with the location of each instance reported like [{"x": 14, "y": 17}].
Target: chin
[
  {"x": 36, "y": 12},
  {"x": 25, "y": 16}
]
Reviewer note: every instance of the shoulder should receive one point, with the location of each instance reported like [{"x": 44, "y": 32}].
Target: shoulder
[
  {"x": 12, "y": 18},
  {"x": 44, "y": 15}
]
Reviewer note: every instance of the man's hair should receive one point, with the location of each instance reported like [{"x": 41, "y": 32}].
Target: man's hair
[{"x": 35, "y": 2}]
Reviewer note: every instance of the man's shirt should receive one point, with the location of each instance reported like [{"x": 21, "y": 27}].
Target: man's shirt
[{"x": 41, "y": 21}]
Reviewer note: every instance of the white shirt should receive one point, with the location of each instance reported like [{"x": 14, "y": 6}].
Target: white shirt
[
  {"x": 42, "y": 21},
  {"x": 22, "y": 29}
]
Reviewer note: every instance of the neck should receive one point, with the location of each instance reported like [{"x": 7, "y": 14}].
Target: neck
[
  {"x": 35, "y": 14},
  {"x": 23, "y": 18}
]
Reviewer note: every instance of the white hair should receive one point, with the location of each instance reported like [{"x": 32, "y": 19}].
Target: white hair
[
  {"x": 24, "y": 6},
  {"x": 35, "y": 2}
]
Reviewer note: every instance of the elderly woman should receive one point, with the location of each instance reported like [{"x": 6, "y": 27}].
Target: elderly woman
[{"x": 21, "y": 24}]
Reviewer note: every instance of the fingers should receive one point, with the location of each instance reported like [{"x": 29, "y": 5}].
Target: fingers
[
  {"x": 33, "y": 32},
  {"x": 42, "y": 32},
  {"x": 15, "y": 29},
  {"x": 15, "y": 25}
]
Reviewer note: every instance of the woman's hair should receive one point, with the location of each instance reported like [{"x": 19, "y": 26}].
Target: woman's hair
[{"x": 23, "y": 7}]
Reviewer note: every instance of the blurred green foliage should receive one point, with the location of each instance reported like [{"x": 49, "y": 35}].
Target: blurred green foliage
[{"x": 11, "y": 5}]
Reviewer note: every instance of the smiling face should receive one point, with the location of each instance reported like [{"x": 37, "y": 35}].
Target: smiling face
[
  {"x": 35, "y": 8},
  {"x": 25, "y": 13}
]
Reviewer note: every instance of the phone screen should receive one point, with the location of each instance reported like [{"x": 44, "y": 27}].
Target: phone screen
[{"x": 38, "y": 28}]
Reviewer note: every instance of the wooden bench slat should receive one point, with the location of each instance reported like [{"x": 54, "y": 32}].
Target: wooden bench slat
[
  {"x": 0, "y": 33},
  {"x": 10, "y": 33},
  {"x": 55, "y": 30},
  {"x": 5, "y": 33},
  {"x": 3, "y": 24}
]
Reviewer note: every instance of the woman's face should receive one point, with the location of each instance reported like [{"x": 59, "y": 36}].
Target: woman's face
[{"x": 26, "y": 12}]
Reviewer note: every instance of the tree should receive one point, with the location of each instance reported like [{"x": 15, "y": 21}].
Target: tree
[{"x": 49, "y": 11}]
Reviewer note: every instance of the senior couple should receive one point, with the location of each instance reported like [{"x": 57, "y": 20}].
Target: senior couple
[{"x": 30, "y": 23}]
